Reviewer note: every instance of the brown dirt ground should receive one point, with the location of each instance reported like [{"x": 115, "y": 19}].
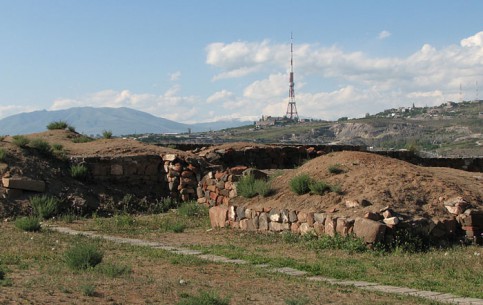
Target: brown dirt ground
[{"x": 404, "y": 187}]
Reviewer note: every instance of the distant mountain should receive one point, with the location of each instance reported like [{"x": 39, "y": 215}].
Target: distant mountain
[{"x": 93, "y": 121}]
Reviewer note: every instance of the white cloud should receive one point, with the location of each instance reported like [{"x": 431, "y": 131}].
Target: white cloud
[
  {"x": 218, "y": 96},
  {"x": 175, "y": 76},
  {"x": 8, "y": 110},
  {"x": 473, "y": 41},
  {"x": 275, "y": 85},
  {"x": 384, "y": 34}
]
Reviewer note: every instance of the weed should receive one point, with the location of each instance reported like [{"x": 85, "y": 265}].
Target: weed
[
  {"x": 83, "y": 256},
  {"x": 79, "y": 171},
  {"x": 204, "y": 298},
  {"x": 82, "y": 139},
  {"x": 263, "y": 188},
  {"x": 300, "y": 184},
  {"x": 336, "y": 188},
  {"x": 335, "y": 169},
  {"x": 88, "y": 290},
  {"x": 348, "y": 243},
  {"x": 20, "y": 141},
  {"x": 113, "y": 270},
  {"x": 41, "y": 146},
  {"x": 30, "y": 224},
  {"x": 246, "y": 187},
  {"x": 3, "y": 154},
  {"x": 297, "y": 301},
  {"x": 178, "y": 227},
  {"x": 107, "y": 134},
  {"x": 71, "y": 128},
  {"x": 193, "y": 209},
  {"x": 57, "y": 125},
  {"x": 57, "y": 147},
  {"x": 44, "y": 206},
  {"x": 319, "y": 187}
]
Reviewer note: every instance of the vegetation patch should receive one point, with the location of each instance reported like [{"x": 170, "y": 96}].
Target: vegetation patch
[
  {"x": 113, "y": 270},
  {"x": 57, "y": 125},
  {"x": 3, "y": 155},
  {"x": 79, "y": 171},
  {"x": 41, "y": 146},
  {"x": 335, "y": 169},
  {"x": 107, "y": 134},
  {"x": 193, "y": 209},
  {"x": 88, "y": 290},
  {"x": 204, "y": 298},
  {"x": 300, "y": 184},
  {"x": 29, "y": 224},
  {"x": 319, "y": 187},
  {"x": 83, "y": 256},
  {"x": 82, "y": 139},
  {"x": 250, "y": 187},
  {"x": 44, "y": 206},
  {"x": 20, "y": 141}
]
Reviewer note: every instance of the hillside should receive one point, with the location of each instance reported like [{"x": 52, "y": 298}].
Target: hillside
[{"x": 93, "y": 121}]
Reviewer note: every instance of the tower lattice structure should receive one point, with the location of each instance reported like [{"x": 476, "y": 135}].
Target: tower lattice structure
[{"x": 291, "y": 107}]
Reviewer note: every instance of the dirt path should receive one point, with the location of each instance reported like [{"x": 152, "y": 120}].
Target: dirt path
[{"x": 445, "y": 298}]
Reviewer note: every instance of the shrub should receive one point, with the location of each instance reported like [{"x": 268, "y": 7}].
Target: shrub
[
  {"x": 178, "y": 227},
  {"x": 3, "y": 154},
  {"x": 57, "y": 125},
  {"x": 193, "y": 209},
  {"x": 71, "y": 128},
  {"x": 57, "y": 146},
  {"x": 82, "y": 139},
  {"x": 88, "y": 290},
  {"x": 204, "y": 298},
  {"x": 319, "y": 187},
  {"x": 263, "y": 188},
  {"x": 107, "y": 134},
  {"x": 335, "y": 169},
  {"x": 44, "y": 206},
  {"x": 114, "y": 270},
  {"x": 246, "y": 187},
  {"x": 83, "y": 256},
  {"x": 41, "y": 146},
  {"x": 336, "y": 188},
  {"x": 20, "y": 141},
  {"x": 78, "y": 171},
  {"x": 30, "y": 224},
  {"x": 300, "y": 184}
]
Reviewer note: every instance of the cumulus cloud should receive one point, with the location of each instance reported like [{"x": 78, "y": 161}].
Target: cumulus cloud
[
  {"x": 8, "y": 110},
  {"x": 175, "y": 76},
  {"x": 384, "y": 34},
  {"x": 218, "y": 96}
]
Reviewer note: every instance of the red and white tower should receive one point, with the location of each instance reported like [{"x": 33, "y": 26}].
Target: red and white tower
[{"x": 291, "y": 107}]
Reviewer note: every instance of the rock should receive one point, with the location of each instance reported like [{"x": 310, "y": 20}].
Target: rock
[
  {"x": 371, "y": 231},
  {"x": 365, "y": 203},
  {"x": 248, "y": 213},
  {"x": 391, "y": 221},
  {"x": 284, "y": 216},
  {"x": 302, "y": 217},
  {"x": 201, "y": 200},
  {"x": 457, "y": 201},
  {"x": 274, "y": 215},
  {"x": 240, "y": 213},
  {"x": 373, "y": 216},
  {"x": 294, "y": 227},
  {"x": 320, "y": 217},
  {"x": 292, "y": 216},
  {"x": 218, "y": 216},
  {"x": 263, "y": 221},
  {"x": 169, "y": 157},
  {"x": 278, "y": 227},
  {"x": 238, "y": 170},
  {"x": 319, "y": 228},
  {"x": 255, "y": 173},
  {"x": 249, "y": 224},
  {"x": 387, "y": 213},
  {"x": 455, "y": 210},
  {"x": 352, "y": 203},
  {"x": 330, "y": 226},
  {"x": 343, "y": 225},
  {"x": 24, "y": 184},
  {"x": 310, "y": 219},
  {"x": 305, "y": 228},
  {"x": 199, "y": 192},
  {"x": 332, "y": 210},
  {"x": 232, "y": 213}
]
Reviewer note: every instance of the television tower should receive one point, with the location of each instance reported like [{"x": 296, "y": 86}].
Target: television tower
[{"x": 291, "y": 107}]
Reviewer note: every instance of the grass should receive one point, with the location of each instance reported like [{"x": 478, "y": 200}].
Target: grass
[
  {"x": 44, "y": 206},
  {"x": 113, "y": 270},
  {"x": 193, "y": 209},
  {"x": 107, "y": 134},
  {"x": 20, "y": 141},
  {"x": 88, "y": 290},
  {"x": 83, "y": 256},
  {"x": 319, "y": 187},
  {"x": 335, "y": 169},
  {"x": 300, "y": 184},
  {"x": 204, "y": 298},
  {"x": 29, "y": 224},
  {"x": 41, "y": 146},
  {"x": 57, "y": 125},
  {"x": 82, "y": 139},
  {"x": 3, "y": 155},
  {"x": 79, "y": 172},
  {"x": 250, "y": 187}
]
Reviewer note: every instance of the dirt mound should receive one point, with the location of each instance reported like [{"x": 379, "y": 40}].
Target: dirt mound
[{"x": 376, "y": 182}]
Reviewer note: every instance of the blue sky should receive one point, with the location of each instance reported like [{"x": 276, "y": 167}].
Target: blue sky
[{"x": 195, "y": 61}]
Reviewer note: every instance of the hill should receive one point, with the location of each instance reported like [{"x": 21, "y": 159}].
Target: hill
[{"x": 93, "y": 121}]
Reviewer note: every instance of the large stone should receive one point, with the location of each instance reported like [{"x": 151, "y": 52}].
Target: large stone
[
  {"x": 343, "y": 226},
  {"x": 263, "y": 221},
  {"x": 319, "y": 228},
  {"x": 258, "y": 174},
  {"x": 240, "y": 213},
  {"x": 278, "y": 227},
  {"x": 455, "y": 210},
  {"x": 294, "y": 227},
  {"x": 292, "y": 216},
  {"x": 231, "y": 213},
  {"x": 302, "y": 216},
  {"x": 24, "y": 184},
  {"x": 373, "y": 216},
  {"x": 320, "y": 217},
  {"x": 249, "y": 224},
  {"x": 218, "y": 216},
  {"x": 310, "y": 219},
  {"x": 330, "y": 226},
  {"x": 274, "y": 215},
  {"x": 369, "y": 230},
  {"x": 391, "y": 221},
  {"x": 169, "y": 157},
  {"x": 305, "y": 228},
  {"x": 352, "y": 203},
  {"x": 284, "y": 215}
]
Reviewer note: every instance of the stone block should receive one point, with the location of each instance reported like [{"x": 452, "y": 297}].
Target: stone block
[
  {"x": 24, "y": 184},
  {"x": 320, "y": 217},
  {"x": 263, "y": 222},
  {"x": 330, "y": 226},
  {"x": 249, "y": 224},
  {"x": 343, "y": 225},
  {"x": 319, "y": 228},
  {"x": 302, "y": 216},
  {"x": 305, "y": 228},
  {"x": 240, "y": 213},
  {"x": 284, "y": 216},
  {"x": 232, "y": 213},
  {"x": 294, "y": 227},
  {"x": 117, "y": 170},
  {"x": 310, "y": 219},
  {"x": 369, "y": 230},
  {"x": 352, "y": 203},
  {"x": 391, "y": 221},
  {"x": 218, "y": 216},
  {"x": 373, "y": 216},
  {"x": 169, "y": 157},
  {"x": 201, "y": 200},
  {"x": 274, "y": 215},
  {"x": 278, "y": 227},
  {"x": 292, "y": 216}
]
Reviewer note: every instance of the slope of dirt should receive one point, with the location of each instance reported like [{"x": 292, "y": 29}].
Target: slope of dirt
[{"x": 381, "y": 181}]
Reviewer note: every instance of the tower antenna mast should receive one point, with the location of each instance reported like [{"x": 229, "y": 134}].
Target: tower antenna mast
[{"x": 291, "y": 107}]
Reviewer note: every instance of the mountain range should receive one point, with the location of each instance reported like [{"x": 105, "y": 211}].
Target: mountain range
[{"x": 93, "y": 121}]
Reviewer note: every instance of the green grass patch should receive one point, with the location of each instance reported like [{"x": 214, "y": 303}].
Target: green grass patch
[
  {"x": 57, "y": 125},
  {"x": 82, "y": 139},
  {"x": 79, "y": 172},
  {"x": 107, "y": 134},
  {"x": 83, "y": 256},
  {"x": 193, "y": 209},
  {"x": 204, "y": 298},
  {"x": 335, "y": 169},
  {"x": 250, "y": 187},
  {"x": 89, "y": 290},
  {"x": 113, "y": 270},
  {"x": 29, "y": 224},
  {"x": 44, "y": 206},
  {"x": 20, "y": 141},
  {"x": 3, "y": 155},
  {"x": 41, "y": 146},
  {"x": 319, "y": 187},
  {"x": 300, "y": 184}
]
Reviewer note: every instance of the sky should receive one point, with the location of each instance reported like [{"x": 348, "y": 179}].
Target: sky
[{"x": 198, "y": 61}]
